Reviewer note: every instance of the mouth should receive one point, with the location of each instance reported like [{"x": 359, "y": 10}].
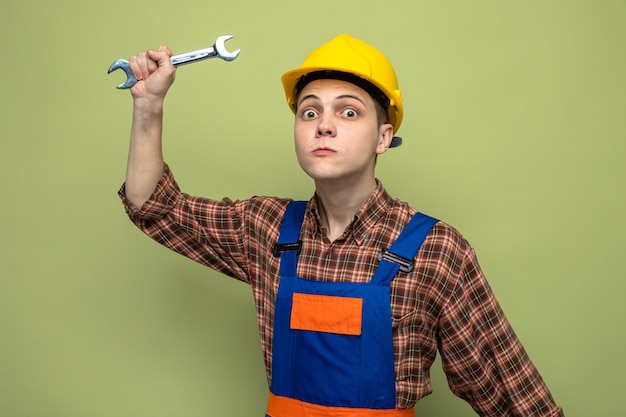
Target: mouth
[{"x": 323, "y": 151}]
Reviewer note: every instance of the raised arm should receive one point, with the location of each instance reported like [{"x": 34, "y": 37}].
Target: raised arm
[{"x": 155, "y": 74}]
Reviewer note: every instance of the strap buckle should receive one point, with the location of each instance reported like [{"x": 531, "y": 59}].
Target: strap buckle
[
  {"x": 406, "y": 265},
  {"x": 287, "y": 247}
]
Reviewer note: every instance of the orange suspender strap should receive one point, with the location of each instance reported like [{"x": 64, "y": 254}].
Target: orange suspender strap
[{"x": 288, "y": 407}]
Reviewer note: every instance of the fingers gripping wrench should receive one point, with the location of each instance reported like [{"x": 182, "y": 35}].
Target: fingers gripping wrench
[{"x": 217, "y": 50}]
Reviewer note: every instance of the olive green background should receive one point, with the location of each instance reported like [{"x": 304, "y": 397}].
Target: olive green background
[{"x": 514, "y": 134}]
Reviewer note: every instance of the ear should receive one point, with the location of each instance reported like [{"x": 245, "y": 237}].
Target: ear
[{"x": 385, "y": 135}]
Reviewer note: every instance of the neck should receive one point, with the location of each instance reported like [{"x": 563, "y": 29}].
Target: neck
[{"x": 338, "y": 204}]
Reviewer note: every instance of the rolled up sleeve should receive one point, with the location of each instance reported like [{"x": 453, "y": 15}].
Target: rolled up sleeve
[{"x": 161, "y": 202}]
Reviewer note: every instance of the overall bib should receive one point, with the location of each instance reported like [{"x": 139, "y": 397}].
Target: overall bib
[{"x": 333, "y": 352}]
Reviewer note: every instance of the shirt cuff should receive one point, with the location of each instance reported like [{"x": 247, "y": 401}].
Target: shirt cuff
[{"x": 161, "y": 202}]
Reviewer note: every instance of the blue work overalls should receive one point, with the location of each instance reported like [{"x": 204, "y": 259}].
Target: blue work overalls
[{"x": 333, "y": 352}]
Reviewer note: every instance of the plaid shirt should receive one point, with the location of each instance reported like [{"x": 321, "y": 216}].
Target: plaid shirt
[{"x": 445, "y": 303}]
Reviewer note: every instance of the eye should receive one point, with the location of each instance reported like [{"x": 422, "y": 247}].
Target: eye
[
  {"x": 349, "y": 113},
  {"x": 309, "y": 114}
]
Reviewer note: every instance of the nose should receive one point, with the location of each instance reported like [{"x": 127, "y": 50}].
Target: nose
[{"x": 326, "y": 127}]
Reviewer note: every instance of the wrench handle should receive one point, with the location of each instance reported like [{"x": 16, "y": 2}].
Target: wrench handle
[{"x": 193, "y": 56}]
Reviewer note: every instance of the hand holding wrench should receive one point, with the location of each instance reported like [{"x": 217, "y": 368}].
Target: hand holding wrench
[{"x": 217, "y": 50}]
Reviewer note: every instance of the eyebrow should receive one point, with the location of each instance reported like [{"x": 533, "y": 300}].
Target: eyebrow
[{"x": 340, "y": 97}]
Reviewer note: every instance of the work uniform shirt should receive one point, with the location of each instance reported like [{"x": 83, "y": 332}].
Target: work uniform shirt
[{"x": 444, "y": 302}]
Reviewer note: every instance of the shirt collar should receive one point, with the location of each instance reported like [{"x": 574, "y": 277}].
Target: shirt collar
[{"x": 368, "y": 215}]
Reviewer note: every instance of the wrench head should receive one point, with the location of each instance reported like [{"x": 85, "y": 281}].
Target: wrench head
[
  {"x": 124, "y": 66},
  {"x": 221, "y": 50}
]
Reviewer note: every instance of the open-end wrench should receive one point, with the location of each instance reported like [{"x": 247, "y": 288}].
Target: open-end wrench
[{"x": 217, "y": 50}]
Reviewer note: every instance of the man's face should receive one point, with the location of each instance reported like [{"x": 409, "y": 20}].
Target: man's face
[{"x": 337, "y": 133}]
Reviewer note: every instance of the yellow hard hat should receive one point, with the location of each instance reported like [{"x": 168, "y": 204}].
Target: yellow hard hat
[{"x": 350, "y": 59}]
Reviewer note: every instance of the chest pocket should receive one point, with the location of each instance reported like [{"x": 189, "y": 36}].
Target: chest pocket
[{"x": 328, "y": 314}]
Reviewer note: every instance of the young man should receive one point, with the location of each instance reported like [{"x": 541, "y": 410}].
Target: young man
[{"x": 354, "y": 291}]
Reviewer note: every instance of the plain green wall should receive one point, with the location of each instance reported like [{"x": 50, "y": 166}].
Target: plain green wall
[{"x": 514, "y": 133}]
